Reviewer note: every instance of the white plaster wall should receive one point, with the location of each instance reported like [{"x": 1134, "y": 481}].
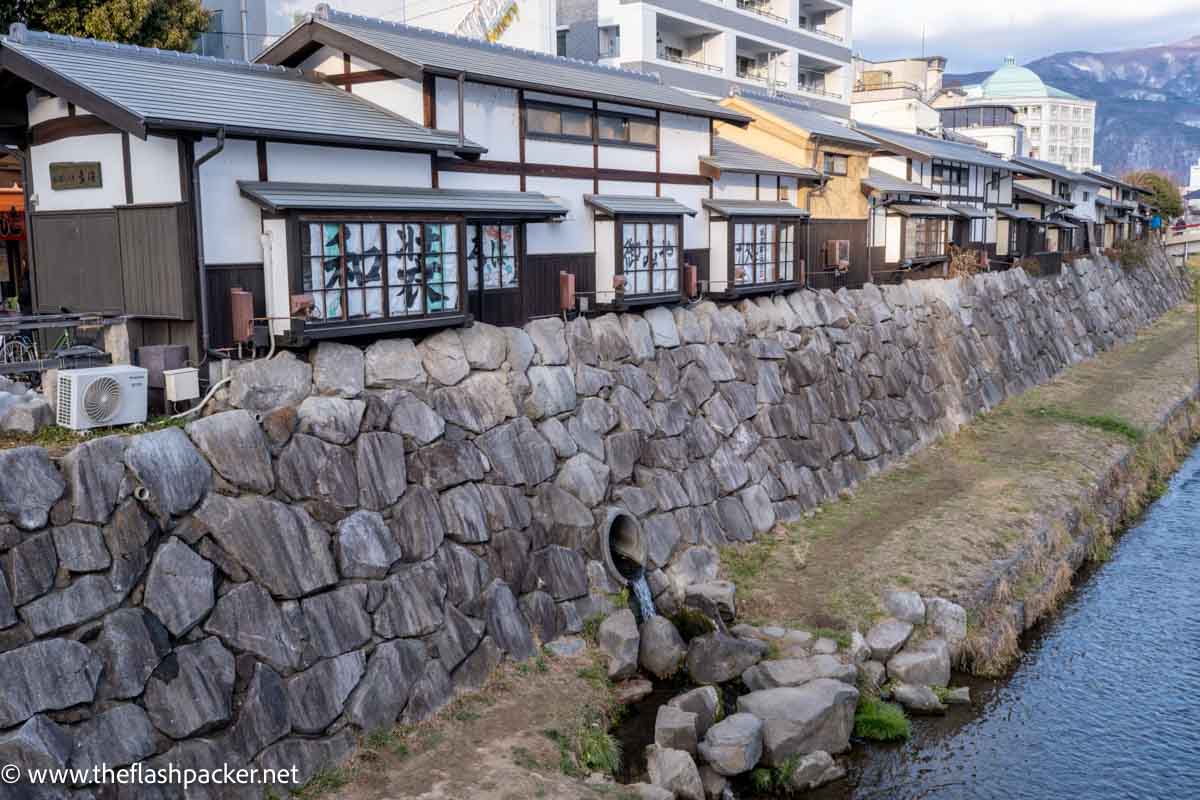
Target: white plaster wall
[
  {"x": 232, "y": 224},
  {"x": 327, "y": 60},
  {"x": 695, "y": 229},
  {"x": 475, "y": 180},
  {"x": 44, "y": 107},
  {"x": 567, "y": 154},
  {"x": 402, "y": 96},
  {"x": 574, "y": 234},
  {"x": 891, "y": 253},
  {"x": 302, "y": 162},
  {"x": 104, "y": 148},
  {"x": 637, "y": 188},
  {"x": 718, "y": 256},
  {"x": 684, "y": 140},
  {"x": 154, "y": 166},
  {"x": 275, "y": 274},
  {"x": 492, "y": 116},
  {"x": 901, "y": 115},
  {"x": 892, "y": 165},
  {"x": 735, "y": 186},
  {"x": 606, "y": 260},
  {"x": 627, "y": 158}
]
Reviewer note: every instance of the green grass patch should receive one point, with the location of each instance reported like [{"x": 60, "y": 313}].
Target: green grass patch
[
  {"x": 1104, "y": 422},
  {"x": 691, "y": 623},
  {"x": 324, "y": 782},
  {"x": 586, "y": 749},
  {"x": 744, "y": 563},
  {"x": 880, "y": 721}
]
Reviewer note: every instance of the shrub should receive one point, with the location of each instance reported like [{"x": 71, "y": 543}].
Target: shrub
[
  {"x": 1131, "y": 254},
  {"x": 880, "y": 721}
]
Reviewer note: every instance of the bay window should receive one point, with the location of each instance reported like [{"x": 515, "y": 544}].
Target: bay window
[
  {"x": 650, "y": 257},
  {"x": 359, "y": 270}
]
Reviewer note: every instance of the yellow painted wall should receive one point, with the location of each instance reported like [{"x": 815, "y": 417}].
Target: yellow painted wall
[{"x": 842, "y": 197}]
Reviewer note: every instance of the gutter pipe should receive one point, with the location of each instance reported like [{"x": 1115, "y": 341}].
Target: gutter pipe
[{"x": 201, "y": 264}]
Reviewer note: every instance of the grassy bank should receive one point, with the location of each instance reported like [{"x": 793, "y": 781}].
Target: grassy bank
[{"x": 998, "y": 516}]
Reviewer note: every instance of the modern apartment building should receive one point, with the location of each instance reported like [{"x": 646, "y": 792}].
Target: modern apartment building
[
  {"x": 1059, "y": 127},
  {"x": 800, "y": 49}
]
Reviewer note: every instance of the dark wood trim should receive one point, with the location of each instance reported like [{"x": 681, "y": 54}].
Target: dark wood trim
[
  {"x": 658, "y": 154},
  {"x": 263, "y": 172},
  {"x": 127, "y": 168},
  {"x": 185, "y": 148},
  {"x": 303, "y": 41},
  {"x": 348, "y": 79},
  {"x": 596, "y": 146},
  {"x": 346, "y": 84},
  {"x": 429, "y": 97},
  {"x": 570, "y": 172},
  {"x": 757, "y": 186},
  {"x": 52, "y": 130},
  {"x": 70, "y": 109},
  {"x": 521, "y": 133},
  {"x": 434, "y": 179}
]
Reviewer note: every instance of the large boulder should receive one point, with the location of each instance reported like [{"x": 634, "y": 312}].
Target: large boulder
[
  {"x": 46, "y": 676},
  {"x": 86, "y": 598},
  {"x": 263, "y": 718},
  {"x": 247, "y": 619},
  {"x": 365, "y": 547},
  {"x": 131, "y": 644},
  {"x": 734, "y": 745},
  {"x": 264, "y": 385},
  {"x": 338, "y": 369},
  {"x": 236, "y": 447},
  {"x": 393, "y": 362},
  {"x": 379, "y": 462},
  {"x": 675, "y": 771},
  {"x": 675, "y": 729},
  {"x": 280, "y": 545},
  {"x": 478, "y": 403},
  {"x": 413, "y": 604},
  {"x": 947, "y": 620},
  {"x": 925, "y": 664},
  {"x": 662, "y": 650},
  {"x": 814, "y": 769},
  {"x": 486, "y": 346},
  {"x": 333, "y": 419},
  {"x": 31, "y": 486},
  {"x": 393, "y": 670},
  {"x": 192, "y": 690},
  {"x": 717, "y": 657},
  {"x": 95, "y": 471},
  {"x": 179, "y": 587},
  {"x": 905, "y": 606},
  {"x": 816, "y": 716},
  {"x": 317, "y": 696},
  {"x": 797, "y": 672},
  {"x": 311, "y": 468},
  {"x": 886, "y": 638},
  {"x": 113, "y": 738},
  {"x": 444, "y": 358},
  {"x": 704, "y": 702},
  {"x": 619, "y": 640},
  {"x": 337, "y": 621},
  {"x": 40, "y": 743},
  {"x": 918, "y": 699},
  {"x": 506, "y": 624},
  {"x": 171, "y": 468}
]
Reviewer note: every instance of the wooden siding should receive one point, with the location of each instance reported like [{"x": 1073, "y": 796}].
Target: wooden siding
[
  {"x": 222, "y": 278},
  {"x": 700, "y": 259},
  {"x": 821, "y": 231},
  {"x": 78, "y": 261},
  {"x": 541, "y": 281},
  {"x": 158, "y": 261}
]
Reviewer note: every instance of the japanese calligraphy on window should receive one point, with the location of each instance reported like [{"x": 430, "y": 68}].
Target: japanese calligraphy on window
[{"x": 650, "y": 257}]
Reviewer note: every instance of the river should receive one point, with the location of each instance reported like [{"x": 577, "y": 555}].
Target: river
[{"x": 1105, "y": 702}]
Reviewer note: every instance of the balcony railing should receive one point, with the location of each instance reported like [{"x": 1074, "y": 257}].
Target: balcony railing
[
  {"x": 664, "y": 55},
  {"x": 760, "y": 8},
  {"x": 820, "y": 92},
  {"x": 758, "y": 77},
  {"x": 826, "y": 34},
  {"x": 862, "y": 86}
]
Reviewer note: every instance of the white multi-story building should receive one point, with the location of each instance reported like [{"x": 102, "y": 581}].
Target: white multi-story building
[
  {"x": 1059, "y": 127},
  {"x": 797, "y": 48}
]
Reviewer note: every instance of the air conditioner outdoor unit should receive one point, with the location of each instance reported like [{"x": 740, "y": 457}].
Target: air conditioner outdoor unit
[
  {"x": 101, "y": 396},
  {"x": 837, "y": 253}
]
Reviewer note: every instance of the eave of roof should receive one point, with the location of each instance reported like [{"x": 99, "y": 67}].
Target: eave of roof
[
  {"x": 614, "y": 204},
  {"x": 1047, "y": 169},
  {"x": 754, "y": 208},
  {"x": 927, "y": 147},
  {"x": 730, "y": 156},
  {"x": 889, "y": 184},
  {"x": 1041, "y": 197},
  {"x": 279, "y": 196},
  {"x": 412, "y": 52},
  {"x": 806, "y": 119},
  {"x": 970, "y": 212},
  {"x": 922, "y": 210},
  {"x": 1017, "y": 214},
  {"x": 139, "y": 89}
]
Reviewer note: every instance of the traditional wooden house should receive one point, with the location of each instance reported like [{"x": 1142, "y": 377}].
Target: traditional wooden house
[
  {"x": 616, "y": 151},
  {"x": 927, "y": 192},
  {"x": 1075, "y": 188},
  {"x": 836, "y": 157},
  {"x": 1117, "y": 201}
]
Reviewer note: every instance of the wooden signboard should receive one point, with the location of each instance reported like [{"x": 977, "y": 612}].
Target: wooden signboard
[{"x": 75, "y": 175}]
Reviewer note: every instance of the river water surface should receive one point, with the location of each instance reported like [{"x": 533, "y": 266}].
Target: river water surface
[{"x": 1105, "y": 702}]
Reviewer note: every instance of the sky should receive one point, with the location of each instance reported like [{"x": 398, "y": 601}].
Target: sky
[
  {"x": 978, "y": 35},
  {"x": 973, "y": 35}
]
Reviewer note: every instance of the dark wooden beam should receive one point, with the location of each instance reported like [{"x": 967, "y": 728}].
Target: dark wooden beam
[
  {"x": 127, "y": 165},
  {"x": 67, "y": 127},
  {"x": 54, "y": 83}
]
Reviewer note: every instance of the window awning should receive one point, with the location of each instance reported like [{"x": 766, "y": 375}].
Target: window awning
[
  {"x": 921, "y": 210},
  {"x": 889, "y": 184},
  {"x": 1018, "y": 215},
  {"x": 970, "y": 212},
  {"x": 279, "y": 196},
  {"x": 616, "y": 204},
  {"x": 729, "y": 156},
  {"x": 1069, "y": 217},
  {"x": 754, "y": 208}
]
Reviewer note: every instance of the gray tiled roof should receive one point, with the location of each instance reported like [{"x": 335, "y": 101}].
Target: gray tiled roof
[
  {"x": 806, "y": 118},
  {"x": 280, "y": 196},
  {"x": 1104, "y": 177},
  {"x": 614, "y": 204},
  {"x": 1041, "y": 197},
  {"x": 922, "y": 210},
  {"x": 729, "y": 156},
  {"x": 1016, "y": 213},
  {"x": 882, "y": 182},
  {"x": 930, "y": 147},
  {"x": 446, "y": 54},
  {"x": 970, "y": 212},
  {"x": 142, "y": 88},
  {"x": 1051, "y": 169},
  {"x": 754, "y": 208}
]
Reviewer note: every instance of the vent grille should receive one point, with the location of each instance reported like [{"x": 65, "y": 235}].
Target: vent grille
[{"x": 66, "y": 391}]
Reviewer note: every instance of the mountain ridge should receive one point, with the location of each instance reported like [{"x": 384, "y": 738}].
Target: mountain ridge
[{"x": 1148, "y": 102}]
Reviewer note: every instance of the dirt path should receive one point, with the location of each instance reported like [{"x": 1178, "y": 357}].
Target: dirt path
[
  {"x": 498, "y": 744},
  {"x": 936, "y": 523}
]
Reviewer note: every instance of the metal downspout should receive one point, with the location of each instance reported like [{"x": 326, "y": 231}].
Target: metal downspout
[{"x": 201, "y": 265}]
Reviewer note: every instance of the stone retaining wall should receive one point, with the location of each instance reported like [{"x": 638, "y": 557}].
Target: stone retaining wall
[{"x": 355, "y": 537}]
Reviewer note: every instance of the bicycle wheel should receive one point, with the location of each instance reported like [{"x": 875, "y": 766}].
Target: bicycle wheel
[{"x": 15, "y": 350}]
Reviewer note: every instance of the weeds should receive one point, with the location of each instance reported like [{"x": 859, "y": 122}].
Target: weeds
[
  {"x": 1104, "y": 422},
  {"x": 880, "y": 721},
  {"x": 588, "y": 748},
  {"x": 324, "y": 782}
]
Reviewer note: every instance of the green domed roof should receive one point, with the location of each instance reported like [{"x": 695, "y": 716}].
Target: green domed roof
[{"x": 1013, "y": 81}]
